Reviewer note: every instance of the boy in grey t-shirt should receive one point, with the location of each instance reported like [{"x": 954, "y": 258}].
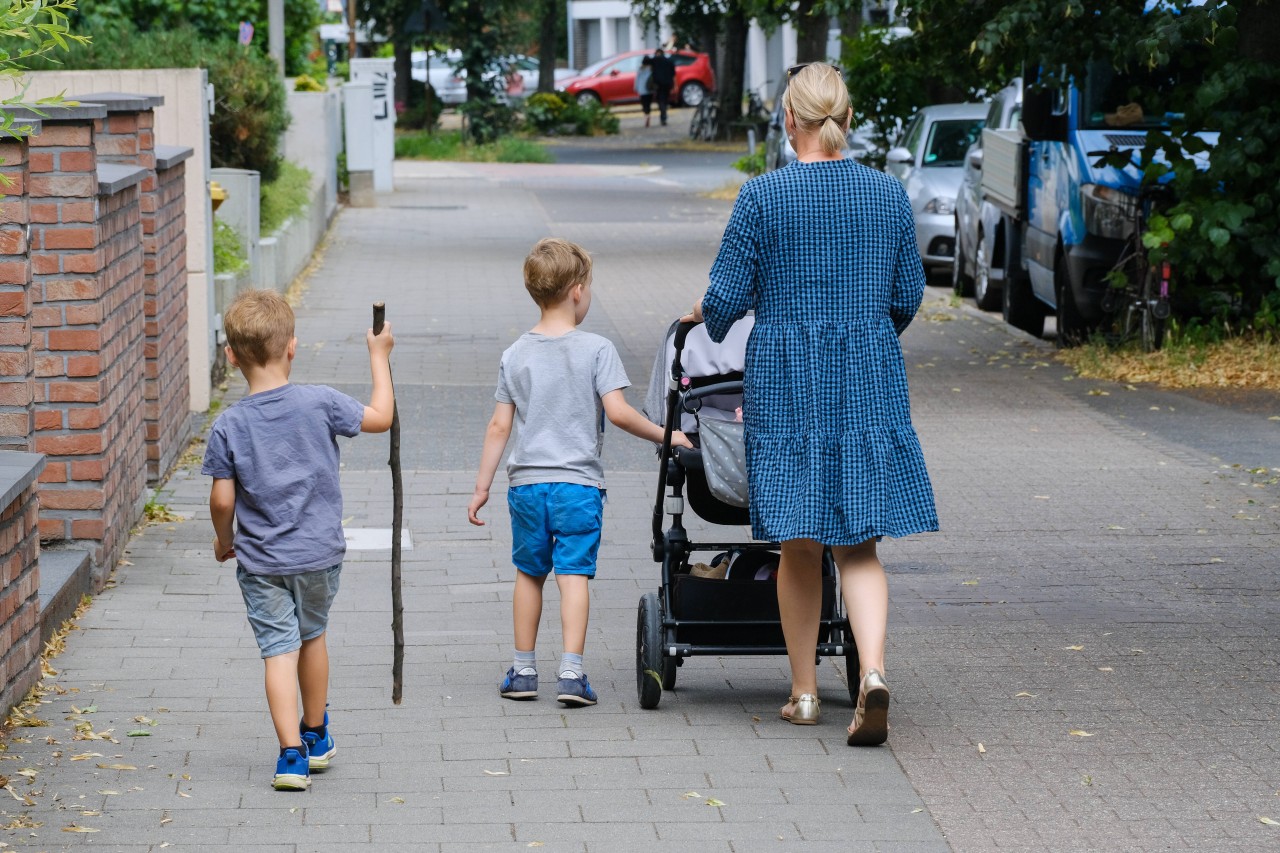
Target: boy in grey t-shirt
[
  {"x": 273, "y": 457},
  {"x": 556, "y": 385}
]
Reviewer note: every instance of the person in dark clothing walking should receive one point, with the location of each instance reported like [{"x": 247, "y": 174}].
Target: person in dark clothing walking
[{"x": 664, "y": 78}]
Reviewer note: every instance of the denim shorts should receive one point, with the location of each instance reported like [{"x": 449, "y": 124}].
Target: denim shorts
[
  {"x": 555, "y": 526},
  {"x": 284, "y": 610}
]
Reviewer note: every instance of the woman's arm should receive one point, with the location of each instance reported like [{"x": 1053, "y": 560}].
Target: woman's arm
[
  {"x": 736, "y": 271},
  {"x": 908, "y": 272}
]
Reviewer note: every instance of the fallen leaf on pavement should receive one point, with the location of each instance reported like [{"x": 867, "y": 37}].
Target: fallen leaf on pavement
[
  {"x": 981, "y": 749},
  {"x": 1268, "y": 821},
  {"x": 397, "y": 800},
  {"x": 691, "y": 795},
  {"x": 139, "y": 733},
  {"x": 1024, "y": 695},
  {"x": 1073, "y": 648},
  {"x": 74, "y": 828},
  {"x": 714, "y": 802},
  {"x": 84, "y": 756},
  {"x": 496, "y": 773},
  {"x": 1080, "y": 733},
  {"x": 116, "y": 767}
]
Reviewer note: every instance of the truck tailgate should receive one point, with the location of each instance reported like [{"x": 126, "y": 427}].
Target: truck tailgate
[{"x": 1003, "y": 170}]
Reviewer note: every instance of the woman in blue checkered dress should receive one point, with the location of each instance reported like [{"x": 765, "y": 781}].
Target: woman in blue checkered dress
[{"x": 824, "y": 251}]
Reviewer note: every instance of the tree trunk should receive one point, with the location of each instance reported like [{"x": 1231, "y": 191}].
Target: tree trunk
[
  {"x": 811, "y": 32},
  {"x": 547, "y": 45},
  {"x": 404, "y": 71},
  {"x": 732, "y": 77}
]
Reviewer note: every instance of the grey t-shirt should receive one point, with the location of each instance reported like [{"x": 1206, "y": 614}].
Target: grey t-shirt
[
  {"x": 556, "y": 385},
  {"x": 280, "y": 447}
]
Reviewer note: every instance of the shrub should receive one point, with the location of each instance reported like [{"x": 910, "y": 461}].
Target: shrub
[
  {"x": 307, "y": 83},
  {"x": 488, "y": 120},
  {"x": 751, "y": 165},
  {"x": 284, "y": 197},
  {"x": 555, "y": 113},
  {"x": 228, "y": 253}
]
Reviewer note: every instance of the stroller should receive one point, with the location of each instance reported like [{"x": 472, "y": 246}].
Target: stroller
[{"x": 729, "y": 606}]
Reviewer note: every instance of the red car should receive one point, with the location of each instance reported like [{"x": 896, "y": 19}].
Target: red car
[{"x": 613, "y": 80}]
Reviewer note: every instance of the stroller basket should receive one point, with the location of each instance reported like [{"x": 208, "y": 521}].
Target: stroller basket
[{"x": 691, "y": 614}]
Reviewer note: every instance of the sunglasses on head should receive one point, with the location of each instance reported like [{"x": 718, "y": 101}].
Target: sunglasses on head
[{"x": 796, "y": 69}]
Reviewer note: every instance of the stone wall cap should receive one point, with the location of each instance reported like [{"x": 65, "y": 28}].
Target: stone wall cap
[
  {"x": 18, "y": 470},
  {"x": 11, "y": 136},
  {"x": 50, "y": 112},
  {"x": 168, "y": 156},
  {"x": 121, "y": 102},
  {"x": 114, "y": 177}
]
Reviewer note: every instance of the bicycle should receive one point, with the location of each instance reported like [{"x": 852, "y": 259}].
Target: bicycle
[
  {"x": 705, "y": 124},
  {"x": 1140, "y": 288}
]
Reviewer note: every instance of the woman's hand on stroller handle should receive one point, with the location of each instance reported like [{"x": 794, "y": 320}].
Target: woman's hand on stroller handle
[
  {"x": 694, "y": 316},
  {"x": 679, "y": 439}
]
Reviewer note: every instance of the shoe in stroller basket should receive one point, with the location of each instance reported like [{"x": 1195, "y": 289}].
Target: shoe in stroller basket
[{"x": 726, "y": 604}]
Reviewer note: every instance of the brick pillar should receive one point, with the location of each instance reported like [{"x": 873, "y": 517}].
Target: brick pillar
[
  {"x": 87, "y": 289},
  {"x": 17, "y": 412},
  {"x": 19, "y": 580},
  {"x": 126, "y": 136}
]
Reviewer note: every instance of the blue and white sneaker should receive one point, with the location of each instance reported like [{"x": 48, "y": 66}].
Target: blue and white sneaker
[
  {"x": 292, "y": 770},
  {"x": 319, "y": 750},
  {"x": 575, "y": 691},
  {"x": 519, "y": 686}
]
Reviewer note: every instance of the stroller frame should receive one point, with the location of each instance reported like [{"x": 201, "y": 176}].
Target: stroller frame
[{"x": 665, "y": 637}]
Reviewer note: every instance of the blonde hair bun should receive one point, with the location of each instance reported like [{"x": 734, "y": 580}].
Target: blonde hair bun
[{"x": 819, "y": 101}]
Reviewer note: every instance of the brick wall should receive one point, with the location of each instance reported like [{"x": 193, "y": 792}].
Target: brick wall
[
  {"x": 168, "y": 380},
  {"x": 87, "y": 294},
  {"x": 17, "y": 414},
  {"x": 126, "y": 135},
  {"x": 19, "y": 598}
]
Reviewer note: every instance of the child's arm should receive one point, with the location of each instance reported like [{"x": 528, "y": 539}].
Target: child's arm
[
  {"x": 382, "y": 402},
  {"x": 495, "y": 441},
  {"x": 222, "y": 506},
  {"x": 622, "y": 415}
]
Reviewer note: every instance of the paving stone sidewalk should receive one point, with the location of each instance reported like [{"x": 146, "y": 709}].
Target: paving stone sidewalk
[{"x": 1089, "y": 579}]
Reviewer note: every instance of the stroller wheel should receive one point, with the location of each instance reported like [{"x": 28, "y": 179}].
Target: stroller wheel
[
  {"x": 669, "y": 666},
  {"x": 650, "y": 672},
  {"x": 851, "y": 664}
]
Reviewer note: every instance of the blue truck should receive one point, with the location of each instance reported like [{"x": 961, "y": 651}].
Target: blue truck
[{"x": 1066, "y": 211}]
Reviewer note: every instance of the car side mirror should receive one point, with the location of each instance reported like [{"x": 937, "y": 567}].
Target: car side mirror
[
  {"x": 613, "y": 73},
  {"x": 975, "y": 158},
  {"x": 899, "y": 155}
]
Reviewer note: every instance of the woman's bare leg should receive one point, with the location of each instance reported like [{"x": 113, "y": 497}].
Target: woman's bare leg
[
  {"x": 800, "y": 606},
  {"x": 866, "y": 600}
]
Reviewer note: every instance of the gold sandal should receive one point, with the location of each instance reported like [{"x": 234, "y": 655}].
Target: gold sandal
[
  {"x": 871, "y": 717},
  {"x": 807, "y": 710}
]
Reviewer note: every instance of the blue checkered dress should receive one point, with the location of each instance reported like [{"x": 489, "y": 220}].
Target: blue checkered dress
[{"x": 826, "y": 254}]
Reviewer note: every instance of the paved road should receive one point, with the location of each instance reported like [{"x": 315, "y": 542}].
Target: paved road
[{"x": 1084, "y": 659}]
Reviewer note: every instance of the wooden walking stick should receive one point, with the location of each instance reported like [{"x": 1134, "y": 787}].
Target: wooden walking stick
[{"x": 397, "y": 521}]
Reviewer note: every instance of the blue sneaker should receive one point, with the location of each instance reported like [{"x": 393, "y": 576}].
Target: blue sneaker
[
  {"x": 319, "y": 750},
  {"x": 292, "y": 770},
  {"x": 519, "y": 686},
  {"x": 575, "y": 691}
]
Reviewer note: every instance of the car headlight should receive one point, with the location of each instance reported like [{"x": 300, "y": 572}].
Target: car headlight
[
  {"x": 941, "y": 205},
  {"x": 1108, "y": 212}
]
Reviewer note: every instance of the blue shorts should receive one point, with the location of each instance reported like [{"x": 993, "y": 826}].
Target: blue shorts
[
  {"x": 555, "y": 526},
  {"x": 284, "y": 610}
]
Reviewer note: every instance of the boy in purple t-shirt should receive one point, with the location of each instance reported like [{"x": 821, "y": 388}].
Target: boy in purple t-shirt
[{"x": 273, "y": 457}]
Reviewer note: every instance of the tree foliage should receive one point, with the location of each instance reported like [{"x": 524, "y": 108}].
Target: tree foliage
[
  {"x": 214, "y": 21},
  {"x": 1222, "y": 228},
  {"x": 30, "y": 30}
]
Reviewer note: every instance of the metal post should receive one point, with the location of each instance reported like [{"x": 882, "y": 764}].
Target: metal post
[
  {"x": 275, "y": 32},
  {"x": 568, "y": 10},
  {"x": 751, "y": 141}
]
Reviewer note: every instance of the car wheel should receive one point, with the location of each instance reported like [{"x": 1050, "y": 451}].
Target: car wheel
[
  {"x": 982, "y": 294},
  {"x": 1072, "y": 328},
  {"x": 692, "y": 94},
  {"x": 588, "y": 99},
  {"x": 961, "y": 283}
]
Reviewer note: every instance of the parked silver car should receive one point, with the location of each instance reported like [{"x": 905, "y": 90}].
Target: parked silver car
[
  {"x": 978, "y": 267},
  {"x": 929, "y": 160},
  {"x": 450, "y": 82},
  {"x": 778, "y": 151}
]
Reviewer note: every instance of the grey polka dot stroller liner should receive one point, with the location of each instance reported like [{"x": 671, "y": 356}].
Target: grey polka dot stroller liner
[{"x": 716, "y": 598}]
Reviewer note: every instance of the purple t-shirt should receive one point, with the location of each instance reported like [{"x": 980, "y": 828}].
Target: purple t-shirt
[{"x": 280, "y": 447}]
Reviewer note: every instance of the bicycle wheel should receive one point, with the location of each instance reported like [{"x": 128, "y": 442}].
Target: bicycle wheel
[
  {"x": 712, "y": 129},
  {"x": 1155, "y": 311},
  {"x": 695, "y": 124}
]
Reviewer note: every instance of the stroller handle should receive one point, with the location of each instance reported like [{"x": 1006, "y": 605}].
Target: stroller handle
[{"x": 683, "y": 330}]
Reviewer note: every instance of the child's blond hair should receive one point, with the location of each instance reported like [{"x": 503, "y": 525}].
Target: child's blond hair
[
  {"x": 552, "y": 267},
  {"x": 259, "y": 326}
]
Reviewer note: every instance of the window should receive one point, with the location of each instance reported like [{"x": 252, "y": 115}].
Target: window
[
  {"x": 627, "y": 65},
  {"x": 949, "y": 140},
  {"x": 681, "y": 59}
]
